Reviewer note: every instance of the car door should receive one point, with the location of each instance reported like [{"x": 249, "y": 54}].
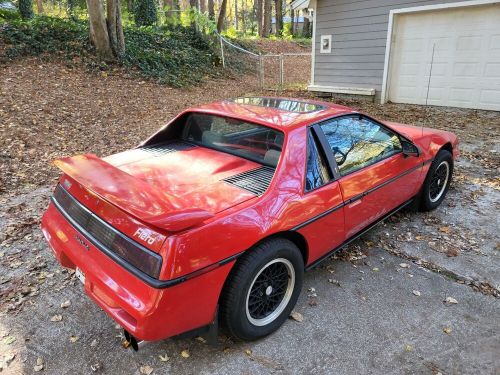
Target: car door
[
  {"x": 321, "y": 202},
  {"x": 375, "y": 176}
]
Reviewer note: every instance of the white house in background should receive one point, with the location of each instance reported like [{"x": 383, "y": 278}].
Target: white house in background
[{"x": 441, "y": 52}]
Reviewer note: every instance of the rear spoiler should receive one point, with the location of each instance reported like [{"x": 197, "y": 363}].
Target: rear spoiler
[{"x": 130, "y": 194}]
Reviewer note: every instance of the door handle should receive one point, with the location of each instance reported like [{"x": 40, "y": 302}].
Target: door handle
[{"x": 355, "y": 201}]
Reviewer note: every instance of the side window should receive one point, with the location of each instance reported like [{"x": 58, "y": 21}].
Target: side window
[
  {"x": 358, "y": 142},
  {"x": 317, "y": 172}
]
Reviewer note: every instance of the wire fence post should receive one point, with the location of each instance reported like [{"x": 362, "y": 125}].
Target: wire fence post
[
  {"x": 222, "y": 52},
  {"x": 282, "y": 72}
]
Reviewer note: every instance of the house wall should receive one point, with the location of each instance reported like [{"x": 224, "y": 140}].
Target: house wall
[{"x": 359, "y": 34}]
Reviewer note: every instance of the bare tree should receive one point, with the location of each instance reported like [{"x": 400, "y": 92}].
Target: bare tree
[
  {"x": 39, "y": 6},
  {"x": 266, "y": 28},
  {"x": 211, "y": 10},
  {"x": 106, "y": 34},
  {"x": 278, "y": 6},
  {"x": 236, "y": 14},
  {"x": 306, "y": 25},
  {"x": 222, "y": 16},
  {"x": 258, "y": 15}
]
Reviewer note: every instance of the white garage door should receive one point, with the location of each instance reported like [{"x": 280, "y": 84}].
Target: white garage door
[{"x": 466, "y": 66}]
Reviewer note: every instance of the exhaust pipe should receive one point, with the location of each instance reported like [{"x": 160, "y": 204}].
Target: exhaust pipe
[{"x": 132, "y": 341}]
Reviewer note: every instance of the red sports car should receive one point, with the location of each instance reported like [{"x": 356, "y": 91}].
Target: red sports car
[{"x": 217, "y": 215}]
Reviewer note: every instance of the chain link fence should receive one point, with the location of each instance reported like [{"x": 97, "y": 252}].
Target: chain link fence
[{"x": 274, "y": 72}]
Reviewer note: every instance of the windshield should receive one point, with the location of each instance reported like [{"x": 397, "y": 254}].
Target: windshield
[{"x": 251, "y": 141}]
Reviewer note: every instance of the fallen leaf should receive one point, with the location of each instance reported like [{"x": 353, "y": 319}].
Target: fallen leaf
[
  {"x": 39, "y": 364},
  {"x": 375, "y": 269},
  {"x": 9, "y": 340},
  {"x": 417, "y": 293},
  {"x": 95, "y": 367},
  {"x": 125, "y": 343},
  {"x": 164, "y": 358},
  {"x": 404, "y": 265},
  {"x": 201, "y": 339},
  {"x": 298, "y": 317},
  {"x": 146, "y": 370},
  {"x": 452, "y": 253},
  {"x": 451, "y": 300},
  {"x": 419, "y": 238},
  {"x": 66, "y": 304},
  {"x": 56, "y": 318},
  {"x": 73, "y": 338},
  {"x": 447, "y": 330},
  {"x": 185, "y": 353},
  {"x": 93, "y": 343},
  {"x": 408, "y": 348},
  {"x": 248, "y": 352},
  {"x": 444, "y": 229}
]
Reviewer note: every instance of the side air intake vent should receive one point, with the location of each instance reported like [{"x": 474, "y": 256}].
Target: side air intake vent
[
  {"x": 255, "y": 181},
  {"x": 167, "y": 147}
]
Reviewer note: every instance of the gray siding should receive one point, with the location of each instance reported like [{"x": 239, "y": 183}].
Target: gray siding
[{"x": 359, "y": 33}]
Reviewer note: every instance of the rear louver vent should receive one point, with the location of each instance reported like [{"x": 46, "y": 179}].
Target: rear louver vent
[
  {"x": 255, "y": 181},
  {"x": 168, "y": 147}
]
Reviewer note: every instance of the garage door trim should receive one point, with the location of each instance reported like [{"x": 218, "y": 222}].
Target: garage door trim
[{"x": 393, "y": 18}]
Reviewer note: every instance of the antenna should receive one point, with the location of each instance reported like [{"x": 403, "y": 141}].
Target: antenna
[{"x": 428, "y": 87}]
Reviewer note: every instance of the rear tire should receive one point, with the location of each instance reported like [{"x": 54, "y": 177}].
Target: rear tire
[
  {"x": 437, "y": 182},
  {"x": 262, "y": 289}
]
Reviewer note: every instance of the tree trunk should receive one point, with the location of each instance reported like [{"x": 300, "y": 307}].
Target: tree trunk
[
  {"x": 130, "y": 6},
  {"x": 258, "y": 15},
  {"x": 236, "y": 14},
  {"x": 292, "y": 20},
  {"x": 243, "y": 17},
  {"x": 115, "y": 30},
  {"x": 39, "y": 6},
  {"x": 203, "y": 6},
  {"x": 98, "y": 29},
  {"x": 305, "y": 25},
  {"x": 222, "y": 16},
  {"x": 278, "y": 6},
  {"x": 267, "y": 18},
  {"x": 211, "y": 10}
]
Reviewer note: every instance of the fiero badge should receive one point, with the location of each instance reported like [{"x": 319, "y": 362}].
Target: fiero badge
[
  {"x": 82, "y": 242},
  {"x": 145, "y": 235}
]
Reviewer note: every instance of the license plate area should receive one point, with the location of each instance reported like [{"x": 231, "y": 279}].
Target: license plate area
[{"x": 80, "y": 275}]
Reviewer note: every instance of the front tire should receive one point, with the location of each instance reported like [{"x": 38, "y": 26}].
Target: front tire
[
  {"x": 437, "y": 182},
  {"x": 262, "y": 289}
]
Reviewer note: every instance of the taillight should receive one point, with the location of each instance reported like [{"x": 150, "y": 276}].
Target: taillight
[{"x": 106, "y": 238}]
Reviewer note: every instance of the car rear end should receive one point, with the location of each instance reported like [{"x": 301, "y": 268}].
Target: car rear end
[{"x": 123, "y": 264}]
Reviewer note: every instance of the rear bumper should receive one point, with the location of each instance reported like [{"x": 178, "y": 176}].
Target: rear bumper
[{"x": 146, "y": 312}]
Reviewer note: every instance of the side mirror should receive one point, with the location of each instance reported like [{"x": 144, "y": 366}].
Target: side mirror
[{"x": 409, "y": 149}]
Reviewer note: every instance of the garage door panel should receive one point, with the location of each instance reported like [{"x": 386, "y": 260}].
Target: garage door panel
[
  {"x": 466, "y": 61},
  {"x": 492, "y": 70}
]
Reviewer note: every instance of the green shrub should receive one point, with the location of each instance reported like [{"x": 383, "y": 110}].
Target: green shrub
[
  {"x": 45, "y": 35},
  {"x": 9, "y": 15},
  {"x": 145, "y": 13},
  {"x": 26, "y": 9},
  {"x": 174, "y": 55}
]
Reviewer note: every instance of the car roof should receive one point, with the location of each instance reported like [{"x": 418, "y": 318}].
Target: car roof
[{"x": 281, "y": 113}]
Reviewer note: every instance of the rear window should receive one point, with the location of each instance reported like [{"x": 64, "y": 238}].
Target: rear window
[{"x": 251, "y": 141}]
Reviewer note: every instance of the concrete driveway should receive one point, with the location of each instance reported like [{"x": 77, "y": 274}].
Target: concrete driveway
[{"x": 378, "y": 307}]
